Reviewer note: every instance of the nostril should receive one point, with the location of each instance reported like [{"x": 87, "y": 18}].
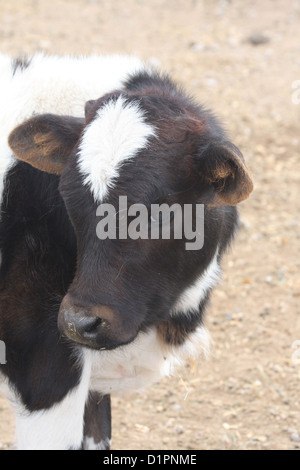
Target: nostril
[
  {"x": 90, "y": 326},
  {"x": 93, "y": 326}
]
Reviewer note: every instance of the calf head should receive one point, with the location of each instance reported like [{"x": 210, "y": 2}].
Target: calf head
[{"x": 153, "y": 145}]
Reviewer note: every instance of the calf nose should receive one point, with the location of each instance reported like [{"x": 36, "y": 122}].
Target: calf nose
[
  {"x": 80, "y": 328},
  {"x": 98, "y": 327}
]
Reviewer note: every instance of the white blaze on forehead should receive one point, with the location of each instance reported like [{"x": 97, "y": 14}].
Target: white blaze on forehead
[{"x": 117, "y": 133}]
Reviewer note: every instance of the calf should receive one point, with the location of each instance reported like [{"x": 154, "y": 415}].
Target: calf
[{"x": 83, "y": 316}]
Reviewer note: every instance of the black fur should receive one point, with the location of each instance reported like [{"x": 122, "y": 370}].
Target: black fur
[
  {"x": 49, "y": 246},
  {"x": 20, "y": 64},
  {"x": 38, "y": 249}
]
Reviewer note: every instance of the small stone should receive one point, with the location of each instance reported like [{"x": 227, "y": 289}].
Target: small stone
[
  {"x": 261, "y": 438},
  {"x": 295, "y": 437},
  {"x": 179, "y": 429},
  {"x": 225, "y": 439},
  {"x": 256, "y": 39},
  {"x": 197, "y": 47},
  {"x": 211, "y": 82},
  {"x": 142, "y": 428},
  {"x": 265, "y": 312}
]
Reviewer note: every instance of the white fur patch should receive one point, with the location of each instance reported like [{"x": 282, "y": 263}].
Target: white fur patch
[
  {"x": 117, "y": 133},
  {"x": 59, "y": 85},
  {"x": 190, "y": 299},
  {"x": 143, "y": 362},
  {"x": 147, "y": 359},
  {"x": 58, "y": 428},
  {"x": 90, "y": 444}
]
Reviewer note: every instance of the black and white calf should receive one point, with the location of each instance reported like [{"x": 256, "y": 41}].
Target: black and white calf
[{"x": 83, "y": 318}]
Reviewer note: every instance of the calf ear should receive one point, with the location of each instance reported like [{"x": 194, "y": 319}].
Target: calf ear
[
  {"x": 224, "y": 169},
  {"x": 46, "y": 141}
]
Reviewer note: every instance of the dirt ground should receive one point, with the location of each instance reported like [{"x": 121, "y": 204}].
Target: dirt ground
[{"x": 240, "y": 58}]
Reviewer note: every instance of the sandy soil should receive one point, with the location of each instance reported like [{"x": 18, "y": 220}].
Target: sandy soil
[{"x": 247, "y": 395}]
